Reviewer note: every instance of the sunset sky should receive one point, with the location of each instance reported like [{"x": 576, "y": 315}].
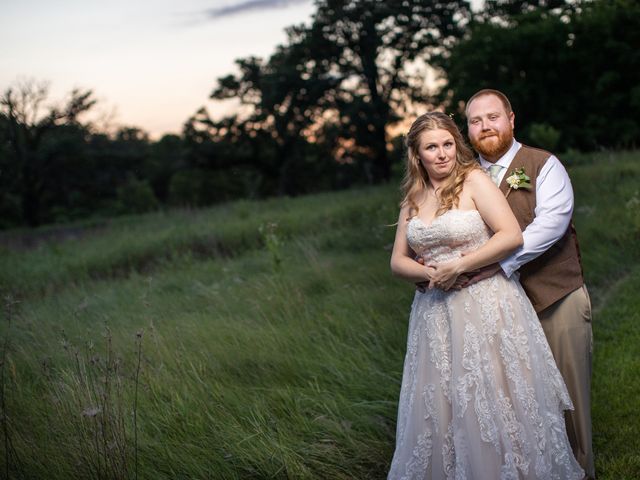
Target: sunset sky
[{"x": 151, "y": 63}]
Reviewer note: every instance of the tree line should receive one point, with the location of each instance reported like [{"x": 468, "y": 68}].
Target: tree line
[{"x": 325, "y": 110}]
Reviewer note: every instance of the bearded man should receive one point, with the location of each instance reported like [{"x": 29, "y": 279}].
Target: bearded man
[{"x": 539, "y": 192}]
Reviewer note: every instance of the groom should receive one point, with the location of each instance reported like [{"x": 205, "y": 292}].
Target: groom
[{"x": 548, "y": 264}]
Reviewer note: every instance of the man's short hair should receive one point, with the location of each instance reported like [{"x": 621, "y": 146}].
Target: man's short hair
[{"x": 489, "y": 91}]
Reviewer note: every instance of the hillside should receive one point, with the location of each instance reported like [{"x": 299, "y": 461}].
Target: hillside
[{"x": 261, "y": 339}]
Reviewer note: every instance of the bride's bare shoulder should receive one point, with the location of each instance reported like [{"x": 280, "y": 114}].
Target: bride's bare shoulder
[
  {"x": 477, "y": 175},
  {"x": 478, "y": 178}
]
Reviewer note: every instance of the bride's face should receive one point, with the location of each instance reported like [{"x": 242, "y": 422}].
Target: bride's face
[{"x": 437, "y": 153}]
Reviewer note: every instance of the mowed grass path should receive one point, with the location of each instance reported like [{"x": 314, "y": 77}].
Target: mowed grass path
[{"x": 196, "y": 344}]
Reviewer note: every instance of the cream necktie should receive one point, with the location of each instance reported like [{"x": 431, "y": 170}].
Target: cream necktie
[{"x": 494, "y": 173}]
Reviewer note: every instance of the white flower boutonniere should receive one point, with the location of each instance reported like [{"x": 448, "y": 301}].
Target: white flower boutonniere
[{"x": 518, "y": 179}]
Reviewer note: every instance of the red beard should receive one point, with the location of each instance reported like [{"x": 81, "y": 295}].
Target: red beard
[{"x": 493, "y": 144}]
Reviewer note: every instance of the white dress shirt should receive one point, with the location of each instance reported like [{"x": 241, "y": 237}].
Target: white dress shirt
[{"x": 554, "y": 207}]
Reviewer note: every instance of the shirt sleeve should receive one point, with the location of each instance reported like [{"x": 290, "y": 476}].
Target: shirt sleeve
[{"x": 554, "y": 207}]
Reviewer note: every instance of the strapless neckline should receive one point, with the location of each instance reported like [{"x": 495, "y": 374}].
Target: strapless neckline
[{"x": 436, "y": 219}]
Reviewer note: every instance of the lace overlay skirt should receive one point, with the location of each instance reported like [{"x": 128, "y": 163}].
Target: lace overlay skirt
[{"x": 481, "y": 395}]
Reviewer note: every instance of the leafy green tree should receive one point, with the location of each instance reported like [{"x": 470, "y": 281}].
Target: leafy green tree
[
  {"x": 572, "y": 70},
  {"x": 111, "y": 162},
  {"x": 10, "y": 209},
  {"x": 341, "y": 82},
  {"x": 507, "y": 11},
  {"x": 136, "y": 196},
  {"x": 604, "y": 47},
  {"x": 166, "y": 157},
  {"x": 379, "y": 52},
  {"x": 518, "y": 58},
  {"x": 221, "y": 150},
  {"x": 286, "y": 97},
  {"x": 68, "y": 190},
  {"x": 544, "y": 136},
  {"x": 54, "y": 167},
  {"x": 30, "y": 126}
]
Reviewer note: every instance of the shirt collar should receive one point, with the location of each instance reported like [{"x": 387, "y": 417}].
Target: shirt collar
[{"x": 505, "y": 160}]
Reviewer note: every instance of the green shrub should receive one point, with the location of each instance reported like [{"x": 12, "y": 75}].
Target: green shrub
[
  {"x": 136, "y": 196},
  {"x": 544, "y": 136}
]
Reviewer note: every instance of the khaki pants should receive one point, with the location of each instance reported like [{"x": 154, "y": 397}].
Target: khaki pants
[{"x": 567, "y": 326}]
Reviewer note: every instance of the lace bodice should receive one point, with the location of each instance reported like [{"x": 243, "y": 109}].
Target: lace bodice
[{"x": 448, "y": 235}]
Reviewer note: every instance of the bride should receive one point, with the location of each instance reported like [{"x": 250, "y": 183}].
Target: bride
[{"x": 481, "y": 395}]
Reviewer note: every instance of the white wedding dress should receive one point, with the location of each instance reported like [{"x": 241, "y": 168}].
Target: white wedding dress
[{"x": 481, "y": 395}]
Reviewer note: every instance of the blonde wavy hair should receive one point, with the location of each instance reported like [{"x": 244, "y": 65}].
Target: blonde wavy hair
[{"x": 416, "y": 178}]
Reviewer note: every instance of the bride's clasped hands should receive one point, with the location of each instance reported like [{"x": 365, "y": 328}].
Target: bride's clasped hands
[{"x": 444, "y": 275}]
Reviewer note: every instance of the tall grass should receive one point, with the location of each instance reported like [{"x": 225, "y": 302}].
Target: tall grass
[
  {"x": 146, "y": 242},
  {"x": 273, "y": 339}
]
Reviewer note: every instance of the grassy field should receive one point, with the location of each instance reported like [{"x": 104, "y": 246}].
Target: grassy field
[{"x": 262, "y": 339}]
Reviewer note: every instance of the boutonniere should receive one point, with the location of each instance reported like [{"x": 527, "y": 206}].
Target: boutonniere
[{"x": 518, "y": 179}]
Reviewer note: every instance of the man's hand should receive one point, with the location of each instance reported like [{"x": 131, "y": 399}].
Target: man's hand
[
  {"x": 481, "y": 274},
  {"x": 462, "y": 281}
]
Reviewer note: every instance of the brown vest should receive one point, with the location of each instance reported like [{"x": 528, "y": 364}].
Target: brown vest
[{"x": 558, "y": 271}]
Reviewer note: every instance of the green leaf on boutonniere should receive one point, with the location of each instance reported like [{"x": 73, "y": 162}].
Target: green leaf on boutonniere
[{"x": 519, "y": 179}]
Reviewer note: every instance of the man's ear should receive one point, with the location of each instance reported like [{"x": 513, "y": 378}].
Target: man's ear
[{"x": 512, "y": 119}]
